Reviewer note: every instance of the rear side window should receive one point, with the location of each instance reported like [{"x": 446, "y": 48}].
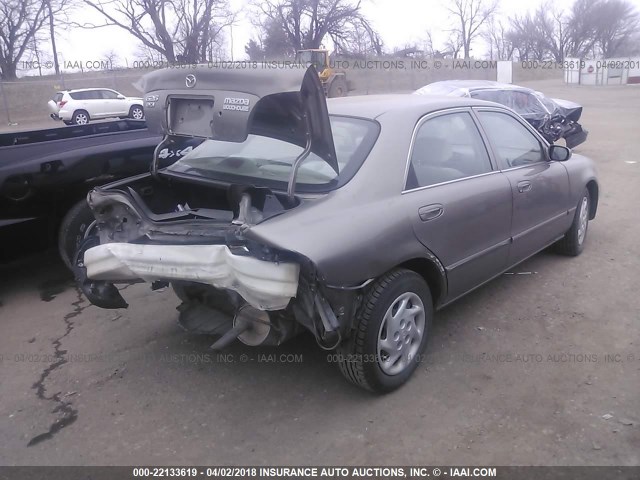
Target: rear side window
[
  {"x": 93, "y": 95},
  {"x": 513, "y": 144},
  {"x": 447, "y": 147},
  {"x": 57, "y": 97},
  {"x": 87, "y": 95},
  {"x": 108, "y": 95}
]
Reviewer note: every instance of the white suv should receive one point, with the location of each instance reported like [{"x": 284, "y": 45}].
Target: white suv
[{"x": 77, "y": 107}]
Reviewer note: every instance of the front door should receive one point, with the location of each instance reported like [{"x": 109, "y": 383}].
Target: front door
[{"x": 540, "y": 187}]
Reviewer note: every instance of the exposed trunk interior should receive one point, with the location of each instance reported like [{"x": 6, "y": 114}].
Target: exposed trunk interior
[{"x": 166, "y": 208}]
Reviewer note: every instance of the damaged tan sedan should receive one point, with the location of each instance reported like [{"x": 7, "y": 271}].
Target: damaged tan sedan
[{"x": 354, "y": 221}]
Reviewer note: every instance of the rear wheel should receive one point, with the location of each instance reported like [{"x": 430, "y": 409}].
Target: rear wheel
[
  {"x": 338, "y": 87},
  {"x": 572, "y": 243},
  {"x": 391, "y": 333},
  {"x": 136, "y": 112},
  {"x": 77, "y": 225},
  {"x": 80, "y": 117}
]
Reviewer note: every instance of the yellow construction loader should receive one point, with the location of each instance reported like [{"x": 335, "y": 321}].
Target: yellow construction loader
[{"x": 335, "y": 83}]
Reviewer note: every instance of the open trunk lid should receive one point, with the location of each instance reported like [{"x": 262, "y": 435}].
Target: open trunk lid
[{"x": 229, "y": 104}]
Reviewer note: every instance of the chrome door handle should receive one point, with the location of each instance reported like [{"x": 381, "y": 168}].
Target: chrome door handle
[
  {"x": 430, "y": 212},
  {"x": 524, "y": 186}
]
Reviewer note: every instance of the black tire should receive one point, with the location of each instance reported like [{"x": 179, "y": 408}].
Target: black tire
[
  {"x": 338, "y": 88},
  {"x": 80, "y": 117},
  {"x": 358, "y": 356},
  {"x": 573, "y": 241},
  {"x": 136, "y": 112},
  {"x": 77, "y": 225}
]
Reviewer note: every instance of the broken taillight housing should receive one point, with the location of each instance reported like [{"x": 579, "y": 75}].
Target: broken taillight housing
[{"x": 62, "y": 103}]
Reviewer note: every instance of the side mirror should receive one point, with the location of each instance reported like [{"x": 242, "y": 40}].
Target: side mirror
[
  {"x": 559, "y": 153},
  {"x": 121, "y": 97}
]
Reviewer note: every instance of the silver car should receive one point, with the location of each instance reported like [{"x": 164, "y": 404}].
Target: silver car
[{"x": 354, "y": 219}]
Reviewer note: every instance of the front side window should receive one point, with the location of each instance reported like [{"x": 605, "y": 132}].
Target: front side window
[
  {"x": 447, "y": 147},
  {"x": 268, "y": 161},
  {"x": 513, "y": 144}
]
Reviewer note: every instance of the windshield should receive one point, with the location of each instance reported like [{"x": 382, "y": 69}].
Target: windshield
[
  {"x": 522, "y": 102},
  {"x": 267, "y": 161},
  {"x": 307, "y": 57}
]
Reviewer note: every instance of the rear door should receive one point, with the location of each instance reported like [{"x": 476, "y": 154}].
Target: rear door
[
  {"x": 540, "y": 187},
  {"x": 459, "y": 202},
  {"x": 91, "y": 101}
]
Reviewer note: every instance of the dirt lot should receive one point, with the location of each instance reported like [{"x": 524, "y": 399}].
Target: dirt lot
[{"x": 541, "y": 368}]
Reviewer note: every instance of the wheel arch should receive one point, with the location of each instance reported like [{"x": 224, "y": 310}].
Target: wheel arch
[
  {"x": 433, "y": 273},
  {"x": 80, "y": 110}
]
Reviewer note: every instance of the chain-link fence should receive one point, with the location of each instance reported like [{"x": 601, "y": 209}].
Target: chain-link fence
[{"x": 24, "y": 102}]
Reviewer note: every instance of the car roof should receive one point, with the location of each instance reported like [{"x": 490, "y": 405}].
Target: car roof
[
  {"x": 372, "y": 106},
  {"x": 86, "y": 89},
  {"x": 481, "y": 85}
]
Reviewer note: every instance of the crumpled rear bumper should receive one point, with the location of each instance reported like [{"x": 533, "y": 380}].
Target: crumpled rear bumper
[{"x": 264, "y": 285}]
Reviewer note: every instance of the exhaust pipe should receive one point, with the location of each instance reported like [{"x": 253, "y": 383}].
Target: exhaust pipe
[
  {"x": 255, "y": 327},
  {"x": 259, "y": 325},
  {"x": 250, "y": 325}
]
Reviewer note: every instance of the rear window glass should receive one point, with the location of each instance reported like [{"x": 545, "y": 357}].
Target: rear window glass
[
  {"x": 498, "y": 96},
  {"x": 439, "y": 89},
  {"x": 268, "y": 161}
]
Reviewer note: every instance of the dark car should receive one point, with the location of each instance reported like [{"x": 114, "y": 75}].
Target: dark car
[
  {"x": 45, "y": 176},
  {"x": 353, "y": 219},
  {"x": 552, "y": 117}
]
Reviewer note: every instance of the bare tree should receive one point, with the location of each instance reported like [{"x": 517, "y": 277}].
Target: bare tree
[
  {"x": 453, "y": 45},
  {"x": 617, "y": 26},
  {"x": 111, "y": 58},
  {"x": 497, "y": 36},
  {"x": 540, "y": 35},
  {"x": 19, "y": 22},
  {"x": 581, "y": 29},
  {"x": 307, "y": 23},
  {"x": 605, "y": 28},
  {"x": 359, "y": 40},
  {"x": 469, "y": 16},
  {"x": 429, "y": 51},
  {"x": 180, "y": 30}
]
